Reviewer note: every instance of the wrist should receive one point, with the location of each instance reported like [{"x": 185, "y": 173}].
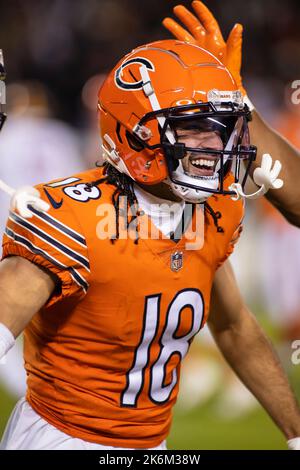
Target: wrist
[
  {"x": 290, "y": 430},
  {"x": 294, "y": 444}
]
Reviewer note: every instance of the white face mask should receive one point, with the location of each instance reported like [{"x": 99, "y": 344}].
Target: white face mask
[{"x": 194, "y": 196}]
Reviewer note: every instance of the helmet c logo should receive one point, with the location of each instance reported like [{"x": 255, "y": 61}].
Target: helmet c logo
[
  {"x": 184, "y": 102},
  {"x": 127, "y": 85}
]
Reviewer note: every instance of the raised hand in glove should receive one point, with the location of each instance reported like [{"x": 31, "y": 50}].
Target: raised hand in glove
[{"x": 202, "y": 29}]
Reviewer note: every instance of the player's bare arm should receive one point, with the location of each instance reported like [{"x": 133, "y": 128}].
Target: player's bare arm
[
  {"x": 268, "y": 140},
  {"x": 249, "y": 352},
  {"x": 202, "y": 29},
  {"x": 24, "y": 289}
]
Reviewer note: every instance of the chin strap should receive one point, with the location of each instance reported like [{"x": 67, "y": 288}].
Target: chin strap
[
  {"x": 151, "y": 95},
  {"x": 265, "y": 176}
]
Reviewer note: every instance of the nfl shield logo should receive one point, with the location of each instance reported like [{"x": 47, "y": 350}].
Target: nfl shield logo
[{"x": 176, "y": 261}]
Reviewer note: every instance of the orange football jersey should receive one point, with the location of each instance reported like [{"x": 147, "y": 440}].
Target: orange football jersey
[{"x": 103, "y": 355}]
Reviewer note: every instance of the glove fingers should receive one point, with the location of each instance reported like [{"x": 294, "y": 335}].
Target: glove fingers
[
  {"x": 207, "y": 19},
  {"x": 276, "y": 169},
  {"x": 235, "y": 39},
  {"x": 278, "y": 184},
  {"x": 266, "y": 164},
  {"x": 234, "y": 48},
  {"x": 190, "y": 21},
  {"x": 26, "y": 196},
  {"x": 22, "y": 209},
  {"x": 234, "y": 55},
  {"x": 40, "y": 205},
  {"x": 36, "y": 202},
  {"x": 178, "y": 31}
]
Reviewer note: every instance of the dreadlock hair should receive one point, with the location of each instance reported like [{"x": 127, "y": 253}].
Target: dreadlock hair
[
  {"x": 215, "y": 216},
  {"x": 124, "y": 188}
]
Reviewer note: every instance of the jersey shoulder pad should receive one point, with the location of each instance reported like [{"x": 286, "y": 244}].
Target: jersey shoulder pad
[
  {"x": 77, "y": 190},
  {"x": 73, "y": 188},
  {"x": 55, "y": 240}
]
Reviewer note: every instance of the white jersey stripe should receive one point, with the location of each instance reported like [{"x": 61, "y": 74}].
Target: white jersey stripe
[{"x": 57, "y": 184}]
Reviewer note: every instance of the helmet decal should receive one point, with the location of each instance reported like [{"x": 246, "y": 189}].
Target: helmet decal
[{"x": 127, "y": 85}]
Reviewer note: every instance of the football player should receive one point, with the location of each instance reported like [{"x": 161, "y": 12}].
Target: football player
[
  {"x": 108, "y": 319},
  {"x": 202, "y": 29}
]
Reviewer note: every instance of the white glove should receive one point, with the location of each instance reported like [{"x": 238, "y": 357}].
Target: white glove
[
  {"x": 294, "y": 444},
  {"x": 266, "y": 176},
  {"x": 27, "y": 196}
]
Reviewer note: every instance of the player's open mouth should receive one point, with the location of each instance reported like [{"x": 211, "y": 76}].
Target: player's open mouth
[{"x": 202, "y": 166}]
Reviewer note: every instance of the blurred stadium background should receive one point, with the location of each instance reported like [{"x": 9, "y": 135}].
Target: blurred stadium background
[{"x": 57, "y": 52}]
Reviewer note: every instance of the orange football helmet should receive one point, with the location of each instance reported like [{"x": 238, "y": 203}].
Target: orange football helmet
[{"x": 148, "y": 93}]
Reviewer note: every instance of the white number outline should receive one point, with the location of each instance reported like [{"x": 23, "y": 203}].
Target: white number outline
[{"x": 135, "y": 377}]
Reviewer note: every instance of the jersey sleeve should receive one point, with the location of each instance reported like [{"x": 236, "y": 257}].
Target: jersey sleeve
[{"x": 53, "y": 240}]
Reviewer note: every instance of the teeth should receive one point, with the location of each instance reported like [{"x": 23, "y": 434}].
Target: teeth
[{"x": 203, "y": 162}]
